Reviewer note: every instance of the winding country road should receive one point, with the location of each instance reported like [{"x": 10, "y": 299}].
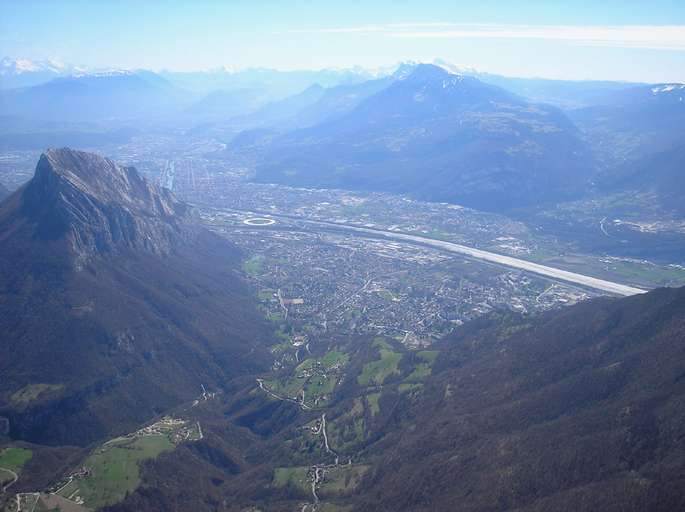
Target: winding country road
[
  {"x": 302, "y": 404},
  {"x": 15, "y": 477},
  {"x": 318, "y": 471}
]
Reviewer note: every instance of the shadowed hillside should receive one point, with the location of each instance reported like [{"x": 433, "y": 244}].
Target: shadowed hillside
[
  {"x": 577, "y": 409},
  {"x": 580, "y": 409},
  {"x": 116, "y": 305},
  {"x": 440, "y": 137}
]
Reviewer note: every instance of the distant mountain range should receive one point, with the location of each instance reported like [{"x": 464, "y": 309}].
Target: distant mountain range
[
  {"x": 273, "y": 85},
  {"x": 440, "y": 137},
  {"x": 638, "y": 137},
  {"x": 25, "y": 73},
  {"x": 116, "y": 303},
  {"x": 503, "y": 143},
  {"x": 36, "y": 94},
  {"x": 93, "y": 98},
  {"x": 488, "y": 154},
  {"x": 637, "y": 121},
  {"x": 311, "y": 107}
]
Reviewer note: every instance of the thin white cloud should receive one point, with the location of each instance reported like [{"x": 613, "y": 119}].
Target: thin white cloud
[
  {"x": 660, "y": 37},
  {"x": 367, "y": 29}
]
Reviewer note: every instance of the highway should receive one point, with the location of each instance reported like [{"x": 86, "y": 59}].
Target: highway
[
  {"x": 491, "y": 257},
  {"x": 479, "y": 254}
]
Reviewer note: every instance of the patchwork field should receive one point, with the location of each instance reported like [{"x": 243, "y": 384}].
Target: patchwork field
[
  {"x": 377, "y": 371},
  {"x": 108, "y": 474},
  {"x": 13, "y": 458},
  {"x": 313, "y": 380}
]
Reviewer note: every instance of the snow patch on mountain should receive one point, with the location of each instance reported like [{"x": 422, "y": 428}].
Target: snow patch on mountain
[
  {"x": 10, "y": 66},
  {"x": 667, "y": 88}
]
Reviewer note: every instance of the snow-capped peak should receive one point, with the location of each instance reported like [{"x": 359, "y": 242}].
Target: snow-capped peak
[
  {"x": 404, "y": 69},
  {"x": 454, "y": 69},
  {"x": 452, "y": 81},
  {"x": 229, "y": 70},
  {"x": 667, "y": 88},
  {"x": 18, "y": 66},
  {"x": 21, "y": 65},
  {"x": 82, "y": 73}
]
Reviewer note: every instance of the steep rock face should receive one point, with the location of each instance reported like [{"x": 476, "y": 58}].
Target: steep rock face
[
  {"x": 115, "y": 304},
  {"x": 99, "y": 206}
]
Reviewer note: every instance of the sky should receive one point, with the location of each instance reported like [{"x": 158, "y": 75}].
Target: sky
[{"x": 602, "y": 39}]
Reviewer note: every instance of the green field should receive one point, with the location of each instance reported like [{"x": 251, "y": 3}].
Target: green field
[
  {"x": 281, "y": 347},
  {"x": 316, "y": 376},
  {"x": 281, "y": 334},
  {"x": 649, "y": 274},
  {"x": 332, "y": 507},
  {"x": 346, "y": 436},
  {"x": 254, "y": 266},
  {"x": 372, "y": 401},
  {"x": 428, "y": 355},
  {"x": 308, "y": 443},
  {"x": 275, "y": 317},
  {"x": 420, "y": 372},
  {"x": 343, "y": 479},
  {"x": 291, "y": 477},
  {"x": 265, "y": 295},
  {"x": 377, "y": 371},
  {"x": 335, "y": 357},
  {"x": 31, "y": 392},
  {"x": 436, "y": 234},
  {"x": 349, "y": 430},
  {"x": 14, "y": 458},
  {"x": 409, "y": 387},
  {"x": 423, "y": 369},
  {"x": 115, "y": 470}
]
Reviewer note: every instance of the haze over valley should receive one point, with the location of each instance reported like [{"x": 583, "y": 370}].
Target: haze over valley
[{"x": 392, "y": 282}]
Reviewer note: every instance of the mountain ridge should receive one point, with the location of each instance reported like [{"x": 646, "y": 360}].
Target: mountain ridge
[
  {"x": 439, "y": 137},
  {"x": 99, "y": 205},
  {"x": 110, "y": 98},
  {"x": 559, "y": 411},
  {"x": 117, "y": 303}
]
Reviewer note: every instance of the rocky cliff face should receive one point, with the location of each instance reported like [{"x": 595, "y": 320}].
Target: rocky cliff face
[
  {"x": 115, "y": 301},
  {"x": 99, "y": 206}
]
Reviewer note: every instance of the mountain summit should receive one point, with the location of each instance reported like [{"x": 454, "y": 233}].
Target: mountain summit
[
  {"x": 438, "y": 136},
  {"x": 116, "y": 303},
  {"x": 98, "y": 205},
  {"x": 103, "y": 180}
]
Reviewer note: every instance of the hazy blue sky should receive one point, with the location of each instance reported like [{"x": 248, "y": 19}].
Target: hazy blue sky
[{"x": 628, "y": 39}]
